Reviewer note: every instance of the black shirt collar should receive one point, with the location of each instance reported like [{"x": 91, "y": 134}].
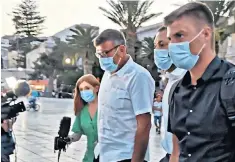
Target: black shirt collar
[{"x": 210, "y": 70}]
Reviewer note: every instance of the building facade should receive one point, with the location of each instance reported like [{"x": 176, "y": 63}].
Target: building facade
[
  {"x": 46, "y": 47},
  {"x": 230, "y": 56},
  {"x": 5, "y": 44},
  {"x": 147, "y": 31}
]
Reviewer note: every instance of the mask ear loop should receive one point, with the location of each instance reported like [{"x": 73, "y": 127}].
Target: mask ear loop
[
  {"x": 197, "y": 35},
  {"x": 201, "y": 49},
  {"x": 195, "y": 38},
  {"x": 119, "y": 58}
]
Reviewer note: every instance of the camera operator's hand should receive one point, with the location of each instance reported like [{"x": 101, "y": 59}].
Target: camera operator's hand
[{"x": 8, "y": 123}]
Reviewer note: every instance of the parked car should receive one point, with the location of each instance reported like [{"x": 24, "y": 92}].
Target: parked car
[
  {"x": 64, "y": 95},
  {"x": 66, "y": 91}
]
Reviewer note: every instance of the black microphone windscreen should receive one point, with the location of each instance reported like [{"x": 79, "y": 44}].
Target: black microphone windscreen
[
  {"x": 64, "y": 127},
  {"x": 22, "y": 88}
]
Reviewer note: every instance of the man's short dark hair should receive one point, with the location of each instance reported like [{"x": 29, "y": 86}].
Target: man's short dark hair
[
  {"x": 162, "y": 28},
  {"x": 110, "y": 35},
  {"x": 197, "y": 10}
]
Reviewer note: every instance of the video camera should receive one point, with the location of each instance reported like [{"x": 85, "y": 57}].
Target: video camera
[
  {"x": 10, "y": 109},
  {"x": 61, "y": 141}
]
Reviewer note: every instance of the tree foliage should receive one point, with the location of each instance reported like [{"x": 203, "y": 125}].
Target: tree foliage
[
  {"x": 147, "y": 57},
  {"x": 27, "y": 20},
  {"x": 219, "y": 9},
  {"x": 82, "y": 44},
  {"x": 70, "y": 77},
  {"x": 222, "y": 10},
  {"x": 28, "y": 24},
  {"x": 147, "y": 47},
  {"x": 129, "y": 15}
]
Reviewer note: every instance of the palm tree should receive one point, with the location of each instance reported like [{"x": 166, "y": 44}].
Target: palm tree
[
  {"x": 147, "y": 57},
  {"x": 226, "y": 30},
  {"x": 82, "y": 44},
  {"x": 219, "y": 9},
  {"x": 129, "y": 15}
]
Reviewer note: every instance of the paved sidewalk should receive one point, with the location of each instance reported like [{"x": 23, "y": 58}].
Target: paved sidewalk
[{"x": 35, "y": 132}]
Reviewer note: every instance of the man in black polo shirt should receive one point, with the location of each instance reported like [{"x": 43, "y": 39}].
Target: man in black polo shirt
[{"x": 196, "y": 116}]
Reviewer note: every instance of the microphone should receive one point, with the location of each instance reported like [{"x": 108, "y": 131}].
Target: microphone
[{"x": 22, "y": 88}]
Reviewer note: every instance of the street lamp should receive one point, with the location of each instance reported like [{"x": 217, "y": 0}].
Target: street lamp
[
  {"x": 20, "y": 69},
  {"x": 68, "y": 61}
]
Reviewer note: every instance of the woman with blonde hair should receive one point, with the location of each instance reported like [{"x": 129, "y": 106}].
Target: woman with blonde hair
[{"x": 85, "y": 109}]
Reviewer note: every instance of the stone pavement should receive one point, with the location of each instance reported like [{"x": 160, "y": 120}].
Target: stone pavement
[{"x": 35, "y": 132}]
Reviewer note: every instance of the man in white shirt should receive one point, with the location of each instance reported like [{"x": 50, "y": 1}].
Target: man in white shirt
[
  {"x": 164, "y": 62},
  {"x": 124, "y": 103}
]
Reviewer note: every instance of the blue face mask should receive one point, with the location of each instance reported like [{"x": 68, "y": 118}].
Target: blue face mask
[
  {"x": 181, "y": 55},
  {"x": 107, "y": 64},
  {"x": 162, "y": 59},
  {"x": 87, "y": 95}
]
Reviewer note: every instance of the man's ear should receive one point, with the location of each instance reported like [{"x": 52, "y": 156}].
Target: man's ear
[
  {"x": 122, "y": 49},
  {"x": 97, "y": 89},
  {"x": 208, "y": 33}
]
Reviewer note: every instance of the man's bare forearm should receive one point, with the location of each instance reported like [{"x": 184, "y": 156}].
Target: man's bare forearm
[
  {"x": 141, "y": 141},
  {"x": 175, "y": 146},
  {"x": 175, "y": 152}
]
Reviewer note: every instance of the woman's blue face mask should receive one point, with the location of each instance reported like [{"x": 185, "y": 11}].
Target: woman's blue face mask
[{"x": 87, "y": 95}]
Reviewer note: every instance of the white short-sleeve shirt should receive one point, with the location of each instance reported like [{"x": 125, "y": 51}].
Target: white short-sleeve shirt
[
  {"x": 174, "y": 76},
  {"x": 122, "y": 96}
]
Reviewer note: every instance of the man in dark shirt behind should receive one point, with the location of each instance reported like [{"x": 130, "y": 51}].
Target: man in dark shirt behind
[{"x": 197, "y": 118}]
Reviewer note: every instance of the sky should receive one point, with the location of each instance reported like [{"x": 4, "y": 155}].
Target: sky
[{"x": 61, "y": 14}]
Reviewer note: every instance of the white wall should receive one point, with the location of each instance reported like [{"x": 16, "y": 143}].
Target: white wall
[
  {"x": 5, "y": 73},
  {"x": 33, "y": 55},
  {"x": 230, "y": 56},
  {"x": 11, "y": 59},
  {"x": 149, "y": 33}
]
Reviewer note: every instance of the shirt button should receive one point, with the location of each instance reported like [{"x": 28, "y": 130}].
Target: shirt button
[
  {"x": 189, "y": 155},
  {"x": 190, "y": 110},
  {"x": 188, "y": 133},
  {"x": 194, "y": 87}
]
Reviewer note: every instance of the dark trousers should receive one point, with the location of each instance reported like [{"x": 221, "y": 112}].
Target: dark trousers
[
  {"x": 166, "y": 158},
  {"x": 5, "y": 158},
  {"x": 129, "y": 160}
]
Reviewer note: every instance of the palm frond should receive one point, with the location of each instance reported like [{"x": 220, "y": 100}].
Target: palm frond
[
  {"x": 81, "y": 42},
  {"x": 147, "y": 47},
  {"x": 140, "y": 11},
  {"x": 128, "y": 14},
  {"x": 146, "y": 18}
]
